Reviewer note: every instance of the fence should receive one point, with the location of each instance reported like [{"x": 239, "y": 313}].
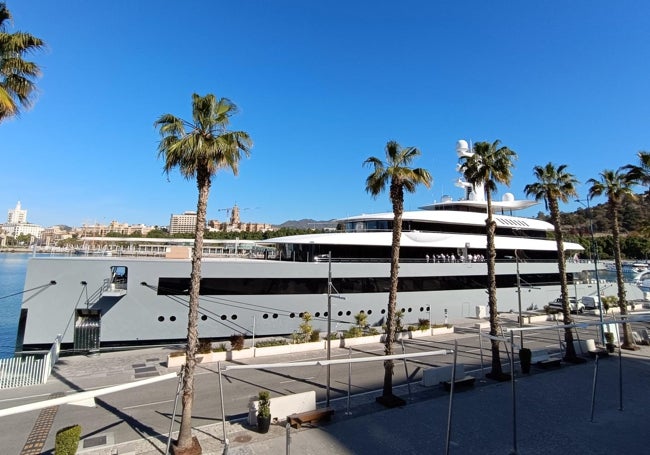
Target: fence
[{"x": 29, "y": 369}]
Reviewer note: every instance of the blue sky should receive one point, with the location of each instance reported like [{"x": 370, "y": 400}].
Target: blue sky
[{"x": 321, "y": 86}]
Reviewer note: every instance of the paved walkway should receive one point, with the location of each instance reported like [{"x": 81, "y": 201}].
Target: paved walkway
[{"x": 553, "y": 414}]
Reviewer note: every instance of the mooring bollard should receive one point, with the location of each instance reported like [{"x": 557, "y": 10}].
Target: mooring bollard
[{"x": 288, "y": 427}]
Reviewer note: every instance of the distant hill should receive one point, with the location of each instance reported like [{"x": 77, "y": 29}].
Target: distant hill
[{"x": 307, "y": 223}]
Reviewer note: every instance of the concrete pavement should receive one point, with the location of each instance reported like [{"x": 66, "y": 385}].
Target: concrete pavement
[{"x": 553, "y": 414}]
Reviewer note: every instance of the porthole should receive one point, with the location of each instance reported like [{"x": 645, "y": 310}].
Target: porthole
[
  {"x": 348, "y": 313},
  {"x": 204, "y": 318},
  {"x": 301, "y": 315},
  {"x": 224, "y": 317},
  {"x": 161, "y": 318},
  {"x": 292, "y": 315},
  {"x": 266, "y": 316},
  {"x": 325, "y": 314},
  {"x": 369, "y": 311},
  {"x": 421, "y": 309},
  {"x": 362, "y": 312},
  {"x": 428, "y": 309},
  {"x": 410, "y": 309},
  {"x": 233, "y": 317},
  {"x": 340, "y": 313},
  {"x": 275, "y": 315},
  {"x": 172, "y": 318},
  {"x": 317, "y": 314},
  {"x": 383, "y": 311}
]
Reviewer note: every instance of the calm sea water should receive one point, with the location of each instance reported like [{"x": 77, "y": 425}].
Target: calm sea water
[{"x": 12, "y": 279}]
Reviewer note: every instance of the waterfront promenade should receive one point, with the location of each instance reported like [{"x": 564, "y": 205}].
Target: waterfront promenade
[{"x": 553, "y": 413}]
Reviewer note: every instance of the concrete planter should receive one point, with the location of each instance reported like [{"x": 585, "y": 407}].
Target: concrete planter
[
  {"x": 290, "y": 348},
  {"x": 442, "y": 330},
  {"x": 178, "y": 360},
  {"x": 347, "y": 342}
]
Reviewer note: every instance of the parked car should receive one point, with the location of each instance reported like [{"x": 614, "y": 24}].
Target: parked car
[
  {"x": 574, "y": 305},
  {"x": 591, "y": 302}
]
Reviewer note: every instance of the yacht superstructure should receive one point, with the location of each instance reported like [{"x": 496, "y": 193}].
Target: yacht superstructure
[{"x": 96, "y": 301}]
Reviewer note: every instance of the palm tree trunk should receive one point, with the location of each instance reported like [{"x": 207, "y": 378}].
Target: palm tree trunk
[
  {"x": 570, "y": 353},
  {"x": 497, "y": 371},
  {"x": 397, "y": 198},
  {"x": 622, "y": 304},
  {"x": 185, "y": 440}
]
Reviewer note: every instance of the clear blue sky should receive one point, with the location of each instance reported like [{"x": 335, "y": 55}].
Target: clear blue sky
[{"x": 322, "y": 85}]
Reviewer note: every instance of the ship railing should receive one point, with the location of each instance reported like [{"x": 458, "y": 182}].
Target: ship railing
[{"x": 29, "y": 369}]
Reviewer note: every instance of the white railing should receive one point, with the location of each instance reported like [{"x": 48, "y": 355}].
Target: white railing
[{"x": 29, "y": 370}]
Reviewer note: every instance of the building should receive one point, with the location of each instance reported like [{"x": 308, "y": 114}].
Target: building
[
  {"x": 182, "y": 224},
  {"x": 235, "y": 224},
  {"x": 17, "y": 215},
  {"x": 17, "y": 224},
  {"x": 52, "y": 235},
  {"x": 123, "y": 229}
]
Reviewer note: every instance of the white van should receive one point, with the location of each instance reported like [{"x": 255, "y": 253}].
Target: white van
[{"x": 591, "y": 302}]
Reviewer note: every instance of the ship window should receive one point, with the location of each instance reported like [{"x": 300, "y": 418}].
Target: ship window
[
  {"x": 428, "y": 309},
  {"x": 348, "y": 313},
  {"x": 301, "y": 315},
  {"x": 233, "y": 317},
  {"x": 317, "y": 314},
  {"x": 292, "y": 315},
  {"x": 383, "y": 311},
  {"x": 204, "y": 318},
  {"x": 340, "y": 313},
  {"x": 224, "y": 317},
  {"x": 410, "y": 309},
  {"x": 161, "y": 318},
  {"x": 119, "y": 275},
  {"x": 266, "y": 316},
  {"x": 421, "y": 309},
  {"x": 172, "y": 318},
  {"x": 275, "y": 315},
  {"x": 325, "y": 314},
  {"x": 369, "y": 311}
]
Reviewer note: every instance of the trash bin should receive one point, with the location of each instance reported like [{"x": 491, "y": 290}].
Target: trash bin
[{"x": 481, "y": 311}]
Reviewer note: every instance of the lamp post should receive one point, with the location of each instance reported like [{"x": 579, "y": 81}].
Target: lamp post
[
  {"x": 594, "y": 248},
  {"x": 330, "y": 286}
]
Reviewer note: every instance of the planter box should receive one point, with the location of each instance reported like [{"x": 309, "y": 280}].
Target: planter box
[
  {"x": 178, "y": 360},
  {"x": 241, "y": 354},
  {"x": 419, "y": 333},
  {"x": 347, "y": 342},
  {"x": 442, "y": 330},
  {"x": 290, "y": 348}
]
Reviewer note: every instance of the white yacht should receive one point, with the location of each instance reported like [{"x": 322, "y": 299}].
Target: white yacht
[{"x": 102, "y": 301}]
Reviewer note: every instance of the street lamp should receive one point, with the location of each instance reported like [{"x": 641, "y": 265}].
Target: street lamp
[{"x": 594, "y": 248}]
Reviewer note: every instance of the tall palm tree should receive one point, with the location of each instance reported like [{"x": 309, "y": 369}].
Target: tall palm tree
[
  {"x": 641, "y": 173},
  {"x": 554, "y": 184},
  {"x": 396, "y": 173},
  {"x": 199, "y": 148},
  {"x": 16, "y": 74},
  {"x": 617, "y": 186},
  {"x": 489, "y": 165}
]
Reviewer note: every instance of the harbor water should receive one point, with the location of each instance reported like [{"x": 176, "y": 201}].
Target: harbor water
[{"x": 12, "y": 279}]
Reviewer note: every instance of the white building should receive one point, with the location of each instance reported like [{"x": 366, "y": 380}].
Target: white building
[
  {"x": 185, "y": 223},
  {"x": 17, "y": 215}
]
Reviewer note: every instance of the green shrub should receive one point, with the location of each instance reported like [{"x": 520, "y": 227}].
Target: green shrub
[
  {"x": 315, "y": 336},
  {"x": 264, "y": 404},
  {"x": 204, "y": 347},
  {"x": 220, "y": 348},
  {"x": 424, "y": 324},
  {"x": 268, "y": 343},
  {"x": 411, "y": 328},
  {"x": 67, "y": 440},
  {"x": 237, "y": 342}
]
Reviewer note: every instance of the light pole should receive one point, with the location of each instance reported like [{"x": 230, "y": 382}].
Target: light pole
[
  {"x": 594, "y": 248},
  {"x": 330, "y": 286}
]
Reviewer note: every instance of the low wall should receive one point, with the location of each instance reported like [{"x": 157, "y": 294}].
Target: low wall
[
  {"x": 283, "y": 406},
  {"x": 436, "y": 375}
]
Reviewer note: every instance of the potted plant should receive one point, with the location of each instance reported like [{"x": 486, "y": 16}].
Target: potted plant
[
  {"x": 609, "y": 342},
  {"x": 525, "y": 356},
  {"x": 263, "y": 411}
]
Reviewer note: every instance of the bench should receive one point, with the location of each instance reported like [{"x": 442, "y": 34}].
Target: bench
[{"x": 310, "y": 417}]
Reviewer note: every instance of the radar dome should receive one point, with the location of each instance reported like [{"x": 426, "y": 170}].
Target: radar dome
[
  {"x": 446, "y": 198},
  {"x": 462, "y": 149},
  {"x": 508, "y": 197}
]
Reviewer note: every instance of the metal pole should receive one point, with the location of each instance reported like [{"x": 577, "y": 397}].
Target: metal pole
[
  {"x": 514, "y": 395},
  {"x": 288, "y": 427},
  {"x": 620, "y": 378},
  {"x": 348, "y": 412},
  {"x": 171, "y": 424},
  {"x": 594, "y": 248},
  {"x": 451, "y": 398},
  {"x": 593, "y": 388},
  {"x": 521, "y": 334},
  {"x": 329, "y": 324},
  {"x": 253, "y": 336},
  {"x": 223, "y": 411},
  {"x": 406, "y": 371},
  {"x": 480, "y": 339}
]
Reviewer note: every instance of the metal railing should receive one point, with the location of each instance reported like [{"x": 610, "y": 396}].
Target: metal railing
[{"x": 29, "y": 369}]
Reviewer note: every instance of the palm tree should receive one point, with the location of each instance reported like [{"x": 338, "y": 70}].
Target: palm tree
[
  {"x": 16, "y": 74},
  {"x": 395, "y": 171},
  {"x": 199, "y": 148},
  {"x": 488, "y": 165},
  {"x": 617, "y": 186},
  {"x": 554, "y": 184},
  {"x": 641, "y": 173}
]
